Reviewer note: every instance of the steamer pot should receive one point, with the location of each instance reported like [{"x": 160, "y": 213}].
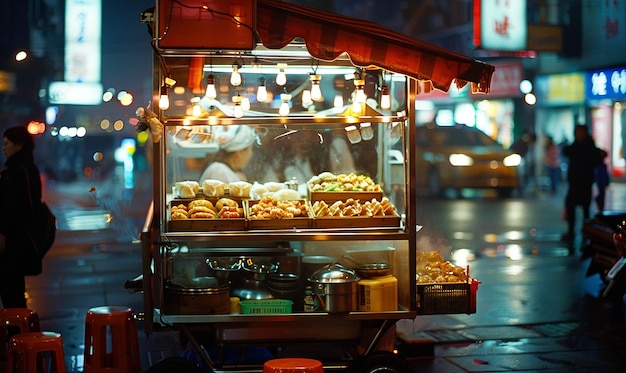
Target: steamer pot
[
  {"x": 336, "y": 288},
  {"x": 196, "y": 300}
]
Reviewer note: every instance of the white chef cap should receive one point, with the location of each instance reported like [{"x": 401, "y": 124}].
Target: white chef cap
[{"x": 235, "y": 138}]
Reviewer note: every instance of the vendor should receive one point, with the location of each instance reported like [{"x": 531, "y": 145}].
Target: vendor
[{"x": 235, "y": 151}]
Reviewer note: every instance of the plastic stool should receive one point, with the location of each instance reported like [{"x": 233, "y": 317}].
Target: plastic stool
[
  {"x": 24, "y": 319},
  {"x": 36, "y": 352},
  {"x": 293, "y": 365},
  {"x": 111, "y": 343}
]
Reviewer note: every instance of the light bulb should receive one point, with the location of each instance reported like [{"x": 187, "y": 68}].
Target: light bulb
[
  {"x": 238, "y": 111},
  {"x": 306, "y": 98},
  {"x": 284, "y": 106},
  {"x": 316, "y": 91},
  {"x": 385, "y": 98},
  {"x": 164, "y": 100},
  {"x": 245, "y": 103},
  {"x": 235, "y": 77},
  {"x": 196, "y": 110},
  {"x": 360, "y": 96},
  {"x": 356, "y": 108},
  {"x": 338, "y": 102},
  {"x": 261, "y": 92},
  {"x": 211, "y": 93},
  {"x": 281, "y": 77}
]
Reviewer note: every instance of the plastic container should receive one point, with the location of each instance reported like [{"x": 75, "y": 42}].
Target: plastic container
[
  {"x": 378, "y": 294},
  {"x": 265, "y": 306}
]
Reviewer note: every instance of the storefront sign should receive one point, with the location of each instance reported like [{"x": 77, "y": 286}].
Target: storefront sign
[
  {"x": 606, "y": 84},
  {"x": 500, "y": 24},
  {"x": 7, "y": 81},
  {"x": 560, "y": 89},
  {"x": 75, "y": 93}
]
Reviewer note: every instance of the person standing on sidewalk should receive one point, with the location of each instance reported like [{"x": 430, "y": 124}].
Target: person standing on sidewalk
[
  {"x": 18, "y": 178},
  {"x": 602, "y": 180},
  {"x": 583, "y": 158},
  {"x": 552, "y": 162}
]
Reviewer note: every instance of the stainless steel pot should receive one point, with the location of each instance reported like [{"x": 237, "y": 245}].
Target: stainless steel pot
[
  {"x": 196, "y": 300},
  {"x": 336, "y": 288}
]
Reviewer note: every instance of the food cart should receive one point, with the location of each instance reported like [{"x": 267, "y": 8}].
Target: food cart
[{"x": 336, "y": 265}]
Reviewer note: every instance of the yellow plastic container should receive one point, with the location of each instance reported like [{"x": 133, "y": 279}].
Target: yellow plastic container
[{"x": 378, "y": 294}]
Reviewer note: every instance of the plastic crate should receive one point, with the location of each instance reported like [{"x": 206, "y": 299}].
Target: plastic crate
[
  {"x": 447, "y": 298},
  {"x": 266, "y": 306}
]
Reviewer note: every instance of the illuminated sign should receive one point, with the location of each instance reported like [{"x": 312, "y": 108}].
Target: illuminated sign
[
  {"x": 560, "y": 89},
  {"x": 500, "y": 24},
  {"x": 75, "y": 93},
  {"x": 606, "y": 84}
]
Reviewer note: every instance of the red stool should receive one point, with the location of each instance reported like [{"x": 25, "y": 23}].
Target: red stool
[
  {"x": 24, "y": 319},
  {"x": 293, "y": 365},
  {"x": 111, "y": 343},
  {"x": 36, "y": 352}
]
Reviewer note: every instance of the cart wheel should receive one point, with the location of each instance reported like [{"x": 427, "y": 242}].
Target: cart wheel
[
  {"x": 174, "y": 365},
  {"x": 381, "y": 362}
]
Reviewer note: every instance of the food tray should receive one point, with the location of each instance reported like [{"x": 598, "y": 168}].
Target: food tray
[
  {"x": 287, "y": 223},
  {"x": 447, "y": 298},
  {"x": 266, "y": 306},
  {"x": 206, "y": 225},
  {"x": 357, "y": 221},
  {"x": 342, "y": 196}
]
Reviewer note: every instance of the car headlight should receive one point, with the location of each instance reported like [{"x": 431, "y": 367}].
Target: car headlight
[
  {"x": 460, "y": 160},
  {"x": 513, "y": 160}
]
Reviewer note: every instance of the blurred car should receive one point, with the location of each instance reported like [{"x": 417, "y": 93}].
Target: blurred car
[{"x": 458, "y": 156}]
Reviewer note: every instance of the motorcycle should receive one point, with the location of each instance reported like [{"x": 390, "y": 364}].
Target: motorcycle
[{"x": 606, "y": 245}]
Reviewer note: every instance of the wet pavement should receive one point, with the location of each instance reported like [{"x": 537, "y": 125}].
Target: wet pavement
[{"x": 535, "y": 315}]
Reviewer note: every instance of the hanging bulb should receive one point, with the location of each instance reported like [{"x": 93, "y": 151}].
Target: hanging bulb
[
  {"x": 164, "y": 100},
  {"x": 316, "y": 91},
  {"x": 385, "y": 98},
  {"x": 196, "y": 110},
  {"x": 261, "y": 92},
  {"x": 238, "y": 111},
  {"x": 284, "y": 107},
  {"x": 211, "y": 93},
  {"x": 338, "y": 102},
  {"x": 245, "y": 103},
  {"x": 281, "y": 77},
  {"x": 356, "y": 108},
  {"x": 360, "y": 96},
  {"x": 235, "y": 77},
  {"x": 306, "y": 98}
]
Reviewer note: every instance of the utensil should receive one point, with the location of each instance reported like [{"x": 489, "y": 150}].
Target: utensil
[{"x": 369, "y": 270}]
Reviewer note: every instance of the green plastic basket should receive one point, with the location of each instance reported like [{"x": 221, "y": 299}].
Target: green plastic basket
[{"x": 266, "y": 306}]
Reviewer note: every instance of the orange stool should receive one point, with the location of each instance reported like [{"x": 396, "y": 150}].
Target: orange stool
[
  {"x": 111, "y": 343},
  {"x": 24, "y": 319},
  {"x": 36, "y": 352},
  {"x": 293, "y": 365}
]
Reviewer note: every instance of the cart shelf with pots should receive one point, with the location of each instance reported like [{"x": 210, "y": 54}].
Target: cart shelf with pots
[{"x": 294, "y": 278}]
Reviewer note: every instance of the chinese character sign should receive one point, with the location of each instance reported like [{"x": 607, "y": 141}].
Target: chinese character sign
[
  {"x": 607, "y": 83},
  {"x": 503, "y": 24}
]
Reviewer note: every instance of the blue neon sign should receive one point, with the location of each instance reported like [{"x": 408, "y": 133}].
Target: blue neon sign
[{"x": 606, "y": 84}]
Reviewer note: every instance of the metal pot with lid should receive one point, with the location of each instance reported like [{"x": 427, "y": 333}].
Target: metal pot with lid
[{"x": 336, "y": 288}]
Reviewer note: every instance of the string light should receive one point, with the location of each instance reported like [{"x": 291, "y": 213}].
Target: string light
[
  {"x": 306, "y": 98},
  {"x": 164, "y": 100},
  {"x": 238, "y": 111},
  {"x": 284, "y": 106},
  {"x": 316, "y": 91},
  {"x": 385, "y": 98},
  {"x": 261, "y": 92},
  {"x": 245, "y": 103},
  {"x": 211, "y": 93},
  {"x": 281, "y": 77},
  {"x": 359, "y": 96},
  {"x": 235, "y": 77}
]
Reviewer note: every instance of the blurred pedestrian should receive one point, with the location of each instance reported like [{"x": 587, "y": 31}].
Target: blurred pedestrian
[
  {"x": 602, "y": 180},
  {"x": 17, "y": 180},
  {"x": 583, "y": 157},
  {"x": 552, "y": 163}
]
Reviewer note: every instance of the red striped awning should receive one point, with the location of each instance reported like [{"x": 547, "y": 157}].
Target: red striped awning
[{"x": 328, "y": 35}]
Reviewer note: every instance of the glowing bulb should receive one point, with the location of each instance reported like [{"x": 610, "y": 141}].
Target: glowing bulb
[
  {"x": 196, "y": 110},
  {"x": 338, "y": 102},
  {"x": 360, "y": 96},
  {"x": 235, "y": 77},
  {"x": 238, "y": 111},
  {"x": 281, "y": 77},
  {"x": 306, "y": 98},
  {"x": 261, "y": 93},
  {"x": 316, "y": 91},
  {"x": 284, "y": 107},
  {"x": 164, "y": 100},
  {"x": 210, "y": 87},
  {"x": 356, "y": 108},
  {"x": 385, "y": 98},
  {"x": 245, "y": 103}
]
